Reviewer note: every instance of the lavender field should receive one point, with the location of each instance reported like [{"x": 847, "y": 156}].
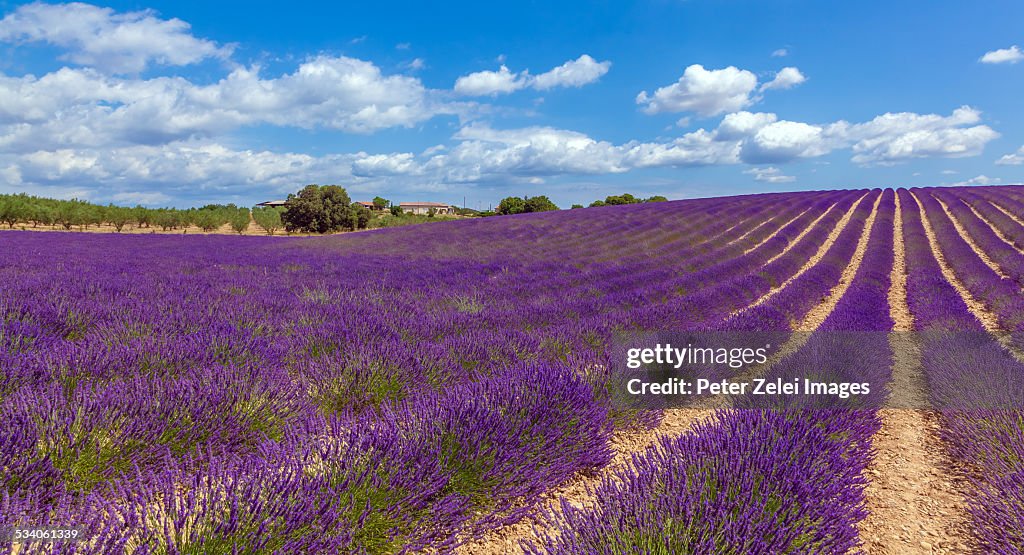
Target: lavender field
[{"x": 445, "y": 387}]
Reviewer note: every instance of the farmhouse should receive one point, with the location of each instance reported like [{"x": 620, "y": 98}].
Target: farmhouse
[
  {"x": 369, "y": 205},
  {"x": 424, "y": 207},
  {"x": 273, "y": 203}
]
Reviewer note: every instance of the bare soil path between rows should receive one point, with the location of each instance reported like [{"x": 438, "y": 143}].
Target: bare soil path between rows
[
  {"x": 579, "y": 492},
  {"x": 913, "y": 496},
  {"x": 1002, "y": 236},
  {"x": 765, "y": 240},
  {"x": 813, "y": 260},
  {"x": 1009, "y": 214},
  {"x": 789, "y": 246},
  {"x": 987, "y": 318},
  {"x": 970, "y": 240}
]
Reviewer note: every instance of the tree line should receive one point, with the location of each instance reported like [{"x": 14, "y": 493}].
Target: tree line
[
  {"x": 625, "y": 198},
  {"x": 28, "y": 210},
  {"x": 314, "y": 209},
  {"x": 522, "y": 205}
]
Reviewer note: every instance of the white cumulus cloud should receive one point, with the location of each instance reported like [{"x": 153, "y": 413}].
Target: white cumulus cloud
[
  {"x": 107, "y": 40},
  {"x": 738, "y": 125},
  {"x": 886, "y": 139},
  {"x": 705, "y": 92},
  {"x": 1012, "y": 159},
  {"x": 366, "y": 165},
  {"x": 415, "y": 64},
  {"x": 786, "y": 78},
  {"x": 531, "y": 151},
  {"x": 483, "y": 83},
  {"x": 902, "y": 136},
  {"x": 573, "y": 73},
  {"x": 482, "y": 153},
  {"x": 1009, "y": 55},
  {"x": 770, "y": 174},
  {"x": 710, "y": 92},
  {"x": 184, "y": 170},
  {"x": 784, "y": 140},
  {"x": 979, "y": 180},
  {"x": 82, "y": 107},
  {"x": 200, "y": 168}
]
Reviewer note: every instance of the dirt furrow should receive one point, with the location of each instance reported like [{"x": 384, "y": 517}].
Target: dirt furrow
[
  {"x": 825, "y": 246},
  {"x": 903, "y": 321},
  {"x": 1009, "y": 214},
  {"x": 913, "y": 498},
  {"x": 781, "y": 227},
  {"x": 817, "y": 315},
  {"x": 970, "y": 240},
  {"x": 677, "y": 421},
  {"x": 987, "y": 318},
  {"x": 1002, "y": 237},
  {"x": 749, "y": 231},
  {"x": 796, "y": 240}
]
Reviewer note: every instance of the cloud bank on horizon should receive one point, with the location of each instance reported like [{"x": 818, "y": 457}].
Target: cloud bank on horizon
[{"x": 136, "y": 107}]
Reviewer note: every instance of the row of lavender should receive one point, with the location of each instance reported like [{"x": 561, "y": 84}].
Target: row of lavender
[
  {"x": 683, "y": 494},
  {"x": 262, "y": 395},
  {"x": 974, "y": 381},
  {"x": 263, "y": 431},
  {"x": 755, "y": 480}
]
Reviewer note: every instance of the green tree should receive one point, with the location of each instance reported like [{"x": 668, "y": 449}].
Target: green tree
[
  {"x": 239, "y": 220},
  {"x": 12, "y": 209},
  {"x": 143, "y": 216},
  {"x": 66, "y": 214},
  {"x": 42, "y": 214},
  {"x": 577, "y": 206},
  {"x": 267, "y": 217},
  {"x": 166, "y": 218},
  {"x": 625, "y": 198},
  {"x": 118, "y": 216},
  {"x": 219, "y": 207},
  {"x": 380, "y": 203},
  {"x": 362, "y": 214},
  {"x": 208, "y": 220},
  {"x": 511, "y": 205},
  {"x": 317, "y": 209},
  {"x": 396, "y": 210},
  {"x": 539, "y": 204},
  {"x": 92, "y": 215}
]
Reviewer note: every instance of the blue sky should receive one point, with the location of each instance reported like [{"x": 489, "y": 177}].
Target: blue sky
[{"x": 184, "y": 103}]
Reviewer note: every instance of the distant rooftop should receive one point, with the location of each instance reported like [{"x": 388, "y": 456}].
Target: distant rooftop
[
  {"x": 273, "y": 203},
  {"x": 437, "y": 204}
]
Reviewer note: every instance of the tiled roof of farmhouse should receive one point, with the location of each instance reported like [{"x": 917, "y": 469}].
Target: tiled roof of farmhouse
[{"x": 422, "y": 204}]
